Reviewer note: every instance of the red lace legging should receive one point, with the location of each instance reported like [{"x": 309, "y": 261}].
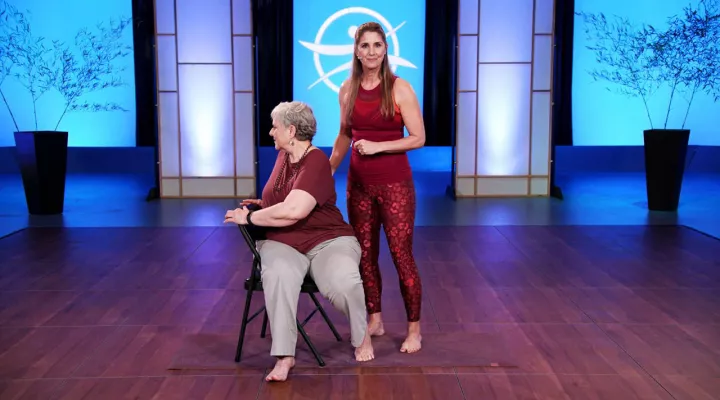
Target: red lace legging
[{"x": 393, "y": 206}]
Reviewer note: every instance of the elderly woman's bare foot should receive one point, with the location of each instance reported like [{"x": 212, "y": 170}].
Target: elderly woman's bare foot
[
  {"x": 365, "y": 351},
  {"x": 413, "y": 341},
  {"x": 281, "y": 370}
]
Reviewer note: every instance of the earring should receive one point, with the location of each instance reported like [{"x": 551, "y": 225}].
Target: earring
[{"x": 292, "y": 142}]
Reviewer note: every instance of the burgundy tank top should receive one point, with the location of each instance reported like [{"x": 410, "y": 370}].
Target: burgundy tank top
[{"x": 369, "y": 124}]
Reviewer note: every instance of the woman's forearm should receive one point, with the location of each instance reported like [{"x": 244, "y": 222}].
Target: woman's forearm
[
  {"x": 276, "y": 216},
  {"x": 402, "y": 145},
  {"x": 340, "y": 149}
]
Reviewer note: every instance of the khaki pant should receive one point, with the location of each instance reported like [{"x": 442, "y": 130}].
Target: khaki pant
[{"x": 333, "y": 264}]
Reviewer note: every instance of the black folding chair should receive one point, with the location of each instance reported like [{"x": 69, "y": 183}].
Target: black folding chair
[{"x": 254, "y": 284}]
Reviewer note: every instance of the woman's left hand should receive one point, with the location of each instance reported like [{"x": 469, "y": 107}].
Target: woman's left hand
[
  {"x": 237, "y": 216},
  {"x": 366, "y": 147}
]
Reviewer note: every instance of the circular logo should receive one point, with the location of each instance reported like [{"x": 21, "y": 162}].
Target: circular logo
[{"x": 319, "y": 49}]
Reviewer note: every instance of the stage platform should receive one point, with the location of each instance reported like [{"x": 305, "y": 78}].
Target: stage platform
[{"x": 590, "y": 297}]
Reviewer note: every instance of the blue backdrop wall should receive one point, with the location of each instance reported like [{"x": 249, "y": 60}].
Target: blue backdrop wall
[
  {"x": 605, "y": 116},
  {"x": 68, "y": 67}
]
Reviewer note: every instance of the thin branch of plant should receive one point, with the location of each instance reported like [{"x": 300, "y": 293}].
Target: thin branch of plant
[
  {"x": 637, "y": 61},
  {"x": 39, "y": 65}
]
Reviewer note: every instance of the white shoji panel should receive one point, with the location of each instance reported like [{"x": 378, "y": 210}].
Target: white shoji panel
[
  {"x": 204, "y": 34},
  {"x": 170, "y": 187},
  {"x": 541, "y": 133},
  {"x": 244, "y": 135},
  {"x": 465, "y": 186},
  {"x": 242, "y": 17},
  {"x": 468, "y": 17},
  {"x": 208, "y": 187},
  {"x": 506, "y": 31},
  {"x": 539, "y": 186},
  {"x": 466, "y": 123},
  {"x": 544, "y": 10},
  {"x": 246, "y": 188},
  {"x": 243, "y": 63},
  {"x": 502, "y": 186},
  {"x": 165, "y": 16},
  {"x": 542, "y": 64},
  {"x": 467, "y": 63},
  {"x": 503, "y": 119},
  {"x": 167, "y": 63},
  {"x": 206, "y": 120},
  {"x": 169, "y": 135}
]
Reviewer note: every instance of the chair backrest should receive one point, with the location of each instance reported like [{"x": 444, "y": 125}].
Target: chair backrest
[{"x": 250, "y": 239}]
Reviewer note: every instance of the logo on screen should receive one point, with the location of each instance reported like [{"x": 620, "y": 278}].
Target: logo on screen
[{"x": 320, "y": 49}]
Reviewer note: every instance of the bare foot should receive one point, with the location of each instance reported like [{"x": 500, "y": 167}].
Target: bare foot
[
  {"x": 375, "y": 325},
  {"x": 365, "y": 351},
  {"x": 413, "y": 341},
  {"x": 281, "y": 370}
]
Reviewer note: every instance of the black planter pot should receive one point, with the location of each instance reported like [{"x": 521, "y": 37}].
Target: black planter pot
[
  {"x": 42, "y": 156},
  {"x": 665, "y": 152}
]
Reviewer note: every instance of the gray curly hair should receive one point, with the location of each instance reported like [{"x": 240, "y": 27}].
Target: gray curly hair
[{"x": 299, "y": 115}]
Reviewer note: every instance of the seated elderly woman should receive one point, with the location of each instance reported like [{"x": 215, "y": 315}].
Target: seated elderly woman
[{"x": 306, "y": 234}]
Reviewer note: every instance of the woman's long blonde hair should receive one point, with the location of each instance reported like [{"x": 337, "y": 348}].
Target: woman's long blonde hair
[{"x": 387, "y": 108}]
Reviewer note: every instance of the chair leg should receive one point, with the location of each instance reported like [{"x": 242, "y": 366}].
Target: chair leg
[
  {"x": 265, "y": 323},
  {"x": 325, "y": 317},
  {"x": 317, "y": 355},
  {"x": 248, "y": 300}
]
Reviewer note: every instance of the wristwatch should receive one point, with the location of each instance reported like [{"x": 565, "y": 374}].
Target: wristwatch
[{"x": 249, "y": 221}]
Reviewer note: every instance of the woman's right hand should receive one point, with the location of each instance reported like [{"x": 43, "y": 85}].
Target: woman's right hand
[{"x": 247, "y": 202}]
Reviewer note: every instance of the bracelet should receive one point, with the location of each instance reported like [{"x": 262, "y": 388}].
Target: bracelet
[{"x": 249, "y": 221}]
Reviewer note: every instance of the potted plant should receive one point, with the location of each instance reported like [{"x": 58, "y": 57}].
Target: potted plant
[
  {"x": 682, "y": 59},
  {"x": 40, "y": 66}
]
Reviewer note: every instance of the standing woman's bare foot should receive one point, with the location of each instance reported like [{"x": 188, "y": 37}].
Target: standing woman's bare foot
[
  {"x": 413, "y": 341},
  {"x": 281, "y": 370},
  {"x": 375, "y": 325},
  {"x": 365, "y": 351}
]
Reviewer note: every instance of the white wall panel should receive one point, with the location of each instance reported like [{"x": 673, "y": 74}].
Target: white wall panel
[
  {"x": 506, "y": 28},
  {"x": 467, "y": 63},
  {"x": 468, "y": 17},
  {"x": 541, "y": 133},
  {"x": 166, "y": 63},
  {"x": 204, "y": 34},
  {"x": 243, "y": 63},
  {"x": 206, "y": 120},
  {"x": 244, "y": 139},
  {"x": 542, "y": 64},
  {"x": 466, "y": 132},
  {"x": 169, "y": 135},
  {"x": 503, "y": 119}
]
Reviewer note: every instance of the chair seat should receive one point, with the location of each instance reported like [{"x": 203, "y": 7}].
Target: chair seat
[{"x": 308, "y": 285}]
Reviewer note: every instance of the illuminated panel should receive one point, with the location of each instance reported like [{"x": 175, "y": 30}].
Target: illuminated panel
[
  {"x": 502, "y": 186},
  {"x": 465, "y": 187},
  {"x": 242, "y": 17},
  {"x": 505, "y": 31},
  {"x": 204, "y": 34},
  {"x": 169, "y": 135},
  {"x": 503, "y": 119},
  {"x": 544, "y": 10},
  {"x": 167, "y": 63},
  {"x": 243, "y": 63},
  {"x": 244, "y": 139},
  {"x": 165, "y": 16},
  {"x": 206, "y": 120},
  {"x": 170, "y": 187},
  {"x": 542, "y": 64},
  {"x": 208, "y": 187},
  {"x": 465, "y": 144},
  {"x": 540, "y": 133},
  {"x": 468, "y": 17},
  {"x": 246, "y": 188},
  {"x": 467, "y": 63},
  {"x": 539, "y": 186}
]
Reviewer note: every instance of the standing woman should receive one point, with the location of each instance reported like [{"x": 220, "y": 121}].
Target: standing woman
[{"x": 375, "y": 106}]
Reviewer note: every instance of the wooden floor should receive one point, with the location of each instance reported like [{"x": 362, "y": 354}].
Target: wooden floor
[{"x": 586, "y": 312}]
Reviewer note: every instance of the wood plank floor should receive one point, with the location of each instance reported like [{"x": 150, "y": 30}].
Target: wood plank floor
[{"x": 587, "y": 312}]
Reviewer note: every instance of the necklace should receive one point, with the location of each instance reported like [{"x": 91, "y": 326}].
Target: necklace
[{"x": 283, "y": 174}]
